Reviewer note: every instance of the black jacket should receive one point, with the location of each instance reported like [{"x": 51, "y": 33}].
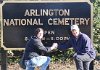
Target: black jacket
[{"x": 34, "y": 48}]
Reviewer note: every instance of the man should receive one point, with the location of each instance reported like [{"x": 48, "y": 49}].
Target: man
[
  {"x": 34, "y": 49},
  {"x": 84, "y": 51}
]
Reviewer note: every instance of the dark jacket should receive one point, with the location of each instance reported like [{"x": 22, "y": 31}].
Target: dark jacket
[
  {"x": 81, "y": 45},
  {"x": 34, "y": 48}
]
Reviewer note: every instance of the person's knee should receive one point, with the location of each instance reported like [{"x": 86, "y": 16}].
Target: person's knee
[
  {"x": 48, "y": 59},
  {"x": 77, "y": 58}
]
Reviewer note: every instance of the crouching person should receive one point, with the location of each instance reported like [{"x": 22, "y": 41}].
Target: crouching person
[
  {"x": 34, "y": 49},
  {"x": 83, "y": 47}
]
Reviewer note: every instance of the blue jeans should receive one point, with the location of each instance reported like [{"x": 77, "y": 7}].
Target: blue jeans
[
  {"x": 82, "y": 61},
  {"x": 41, "y": 61}
]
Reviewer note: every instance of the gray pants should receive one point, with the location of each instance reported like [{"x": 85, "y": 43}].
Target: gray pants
[{"x": 82, "y": 61}]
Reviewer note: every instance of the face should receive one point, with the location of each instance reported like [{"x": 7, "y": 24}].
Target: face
[
  {"x": 40, "y": 34},
  {"x": 75, "y": 33}
]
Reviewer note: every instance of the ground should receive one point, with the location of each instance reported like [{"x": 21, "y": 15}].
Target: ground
[{"x": 55, "y": 66}]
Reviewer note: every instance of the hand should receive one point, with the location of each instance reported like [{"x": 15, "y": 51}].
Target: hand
[{"x": 54, "y": 46}]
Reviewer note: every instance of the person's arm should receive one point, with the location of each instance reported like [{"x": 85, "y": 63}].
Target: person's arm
[
  {"x": 40, "y": 45},
  {"x": 89, "y": 47},
  {"x": 87, "y": 43}
]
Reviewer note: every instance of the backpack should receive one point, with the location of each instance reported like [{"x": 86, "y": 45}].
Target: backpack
[{"x": 22, "y": 62}]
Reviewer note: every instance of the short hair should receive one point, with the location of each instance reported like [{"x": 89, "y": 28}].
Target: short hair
[{"x": 37, "y": 31}]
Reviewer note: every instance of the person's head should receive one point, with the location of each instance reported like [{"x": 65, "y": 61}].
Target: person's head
[
  {"x": 39, "y": 33},
  {"x": 75, "y": 30}
]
